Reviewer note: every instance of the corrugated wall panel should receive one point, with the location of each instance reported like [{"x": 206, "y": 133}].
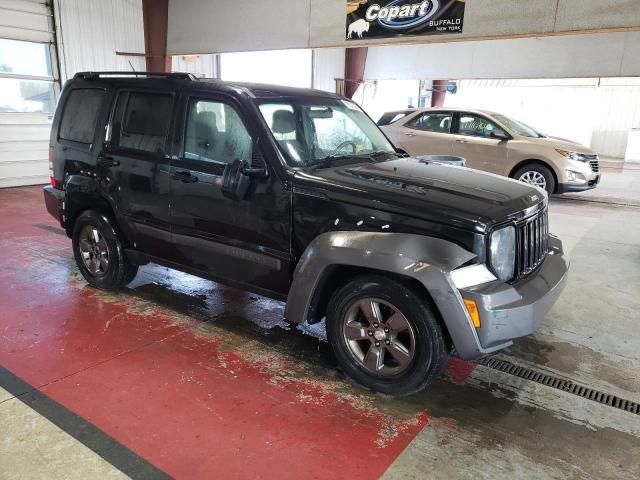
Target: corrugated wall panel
[
  {"x": 92, "y": 31},
  {"x": 328, "y": 64},
  {"x": 619, "y": 103}
]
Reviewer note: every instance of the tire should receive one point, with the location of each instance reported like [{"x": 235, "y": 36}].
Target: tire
[
  {"x": 423, "y": 337},
  {"x": 535, "y": 171},
  {"x": 99, "y": 252}
]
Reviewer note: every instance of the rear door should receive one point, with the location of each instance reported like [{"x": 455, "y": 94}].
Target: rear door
[
  {"x": 240, "y": 242},
  {"x": 473, "y": 141},
  {"x": 133, "y": 168},
  {"x": 429, "y": 133}
]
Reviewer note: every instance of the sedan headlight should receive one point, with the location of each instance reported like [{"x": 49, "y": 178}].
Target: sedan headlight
[
  {"x": 503, "y": 253},
  {"x": 580, "y": 157}
]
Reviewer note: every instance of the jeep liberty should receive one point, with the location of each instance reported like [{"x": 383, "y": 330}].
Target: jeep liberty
[{"x": 297, "y": 195}]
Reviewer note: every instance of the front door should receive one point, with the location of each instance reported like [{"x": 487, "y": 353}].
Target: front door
[
  {"x": 427, "y": 134},
  {"x": 239, "y": 242},
  {"x": 473, "y": 141},
  {"x": 133, "y": 169}
]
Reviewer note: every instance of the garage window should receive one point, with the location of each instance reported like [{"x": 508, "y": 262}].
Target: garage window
[
  {"x": 80, "y": 115},
  {"x": 26, "y": 77}
]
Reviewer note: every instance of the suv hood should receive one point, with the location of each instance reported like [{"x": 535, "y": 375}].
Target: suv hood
[
  {"x": 561, "y": 143},
  {"x": 457, "y": 196}
]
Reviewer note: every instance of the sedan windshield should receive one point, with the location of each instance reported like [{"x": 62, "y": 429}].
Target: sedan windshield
[
  {"x": 518, "y": 127},
  {"x": 313, "y": 132}
]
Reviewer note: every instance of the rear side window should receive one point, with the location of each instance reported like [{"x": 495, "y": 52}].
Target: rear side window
[
  {"x": 141, "y": 121},
  {"x": 432, "y": 122},
  {"x": 80, "y": 115}
]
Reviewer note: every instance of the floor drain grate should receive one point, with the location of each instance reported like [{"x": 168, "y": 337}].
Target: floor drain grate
[{"x": 561, "y": 384}]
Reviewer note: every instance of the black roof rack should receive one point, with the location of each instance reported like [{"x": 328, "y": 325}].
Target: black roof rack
[{"x": 169, "y": 75}]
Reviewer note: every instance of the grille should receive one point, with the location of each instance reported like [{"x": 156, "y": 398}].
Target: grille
[
  {"x": 594, "y": 162},
  {"x": 532, "y": 240}
]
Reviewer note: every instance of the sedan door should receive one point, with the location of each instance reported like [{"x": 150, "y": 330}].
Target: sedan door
[
  {"x": 473, "y": 140},
  {"x": 428, "y": 133}
]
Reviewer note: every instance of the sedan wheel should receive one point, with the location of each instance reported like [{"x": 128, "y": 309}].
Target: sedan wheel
[{"x": 534, "y": 178}]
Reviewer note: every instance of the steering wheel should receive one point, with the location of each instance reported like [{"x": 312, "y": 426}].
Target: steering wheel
[{"x": 345, "y": 144}]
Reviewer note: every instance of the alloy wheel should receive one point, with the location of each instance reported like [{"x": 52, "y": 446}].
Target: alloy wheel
[
  {"x": 379, "y": 337},
  {"x": 534, "y": 178},
  {"x": 94, "y": 250}
]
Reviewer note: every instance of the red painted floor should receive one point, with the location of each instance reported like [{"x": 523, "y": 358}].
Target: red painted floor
[{"x": 196, "y": 399}]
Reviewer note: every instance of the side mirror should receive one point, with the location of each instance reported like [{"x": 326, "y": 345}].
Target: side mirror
[
  {"x": 234, "y": 181},
  {"x": 499, "y": 135}
]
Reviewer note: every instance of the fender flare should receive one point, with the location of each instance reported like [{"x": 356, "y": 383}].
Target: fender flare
[{"x": 426, "y": 259}]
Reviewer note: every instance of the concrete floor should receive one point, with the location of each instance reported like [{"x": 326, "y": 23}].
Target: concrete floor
[{"x": 180, "y": 377}]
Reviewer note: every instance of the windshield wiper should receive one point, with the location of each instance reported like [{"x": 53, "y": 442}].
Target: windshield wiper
[{"x": 328, "y": 161}]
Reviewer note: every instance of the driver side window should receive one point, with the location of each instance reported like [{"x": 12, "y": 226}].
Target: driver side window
[
  {"x": 215, "y": 132},
  {"x": 476, "y": 126}
]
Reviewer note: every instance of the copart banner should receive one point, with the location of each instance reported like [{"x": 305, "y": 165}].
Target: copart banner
[{"x": 398, "y": 18}]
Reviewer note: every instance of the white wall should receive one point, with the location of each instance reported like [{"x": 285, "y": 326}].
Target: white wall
[
  {"x": 204, "y": 66},
  {"x": 281, "y": 67},
  {"x": 208, "y": 26},
  {"x": 383, "y": 96},
  {"x": 328, "y": 64},
  {"x": 90, "y": 32},
  {"x": 595, "y": 112}
]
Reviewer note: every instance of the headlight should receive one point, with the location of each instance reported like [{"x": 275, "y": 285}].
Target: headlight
[
  {"x": 574, "y": 155},
  {"x": 503, "y": 253}
]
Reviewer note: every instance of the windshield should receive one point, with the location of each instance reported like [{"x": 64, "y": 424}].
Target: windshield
[
  {"x": 518, "y": 127},
  {"x": 310, "y": 132}
]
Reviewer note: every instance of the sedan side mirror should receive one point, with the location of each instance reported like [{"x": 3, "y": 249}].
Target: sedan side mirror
[{"x": 499, "y": 135}]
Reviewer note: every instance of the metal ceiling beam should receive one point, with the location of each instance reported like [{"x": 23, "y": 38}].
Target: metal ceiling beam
[{"x": 155, "y": 15}]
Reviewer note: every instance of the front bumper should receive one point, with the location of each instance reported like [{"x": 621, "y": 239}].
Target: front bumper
[
  {"x": 511, "y": 311},
  {"x": 578, "y": 187}
]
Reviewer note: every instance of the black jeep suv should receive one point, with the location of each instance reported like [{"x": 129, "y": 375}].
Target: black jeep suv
[{"x": 297, "y": 195}]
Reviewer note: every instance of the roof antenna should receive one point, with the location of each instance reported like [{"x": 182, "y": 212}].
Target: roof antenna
[{"x": 134, "y": 70}]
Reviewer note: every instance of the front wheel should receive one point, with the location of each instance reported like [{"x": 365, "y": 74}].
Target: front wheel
[
  {"x": 538, "y": 176},
  {"x": 385, "y": 336},
  {"x": 99, "y": 252}
]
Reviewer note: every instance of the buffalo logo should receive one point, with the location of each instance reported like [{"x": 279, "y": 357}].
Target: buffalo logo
[
  {"x": 401, "y": 14},
  {"x": 358, "y": 27}
]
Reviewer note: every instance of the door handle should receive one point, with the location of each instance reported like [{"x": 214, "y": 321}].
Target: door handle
[
  {"x": 185, "y": 177},
  {"x": 462, "y": 141},
  {"x": 108, "y": 162},
  {"x": 410, "y": 134}
]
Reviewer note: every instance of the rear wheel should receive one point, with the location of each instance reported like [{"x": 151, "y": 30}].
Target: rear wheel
[
  {"x": 385, "y": 336},
  {"x": 538, "y": 176},
  {"x": 99, "y": 252}
]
